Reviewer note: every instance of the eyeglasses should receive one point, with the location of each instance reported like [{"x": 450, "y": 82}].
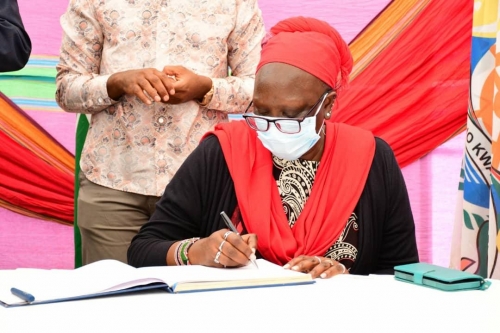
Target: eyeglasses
[{"x": 284, "y": 125}]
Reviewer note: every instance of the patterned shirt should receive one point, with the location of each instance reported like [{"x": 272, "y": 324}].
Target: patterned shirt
[
  {"x": 295, "y": 180},
  {"x": 131, "y": 146}
]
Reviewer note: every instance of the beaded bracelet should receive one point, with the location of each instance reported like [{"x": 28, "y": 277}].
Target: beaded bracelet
[
  {"x": 178, "y": 260},
  {"x": 181, "y": 252}
]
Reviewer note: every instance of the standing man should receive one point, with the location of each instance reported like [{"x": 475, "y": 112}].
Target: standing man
[
  {"x": 15, "y": 44},
  {"x": 154, "y": 76}
]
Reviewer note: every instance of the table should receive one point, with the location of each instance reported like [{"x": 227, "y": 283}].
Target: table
[{"x": 341, "y": 304}]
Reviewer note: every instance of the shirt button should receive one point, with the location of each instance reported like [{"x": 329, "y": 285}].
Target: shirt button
[
  {"x": 100, "y": 100},
  {"x": 161, "y": 120}
]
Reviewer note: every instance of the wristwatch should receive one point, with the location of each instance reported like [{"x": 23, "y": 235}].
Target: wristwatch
[{"x": 208, "y": 97}]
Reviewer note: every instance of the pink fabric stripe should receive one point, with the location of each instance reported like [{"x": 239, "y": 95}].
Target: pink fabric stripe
[
  {"x": 41, "y": 20},
  {"x": 348, "y": 17},
  {"x": 32, "y": 243}
]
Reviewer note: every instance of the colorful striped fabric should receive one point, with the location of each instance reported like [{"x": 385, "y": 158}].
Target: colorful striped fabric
[
  {"x": 33, "y": 87},
  {"x": 44, "y": 159},
  {"x": 476, "y": 240},
  {"x": 382, "y": 31}
]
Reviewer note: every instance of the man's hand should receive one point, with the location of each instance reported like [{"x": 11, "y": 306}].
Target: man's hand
[
  {"x": 146, "y": 84},
  {"x": 188, "y": 85}
]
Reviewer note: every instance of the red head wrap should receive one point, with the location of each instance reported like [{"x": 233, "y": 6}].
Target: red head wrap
[{"x": 311, "y": 45}]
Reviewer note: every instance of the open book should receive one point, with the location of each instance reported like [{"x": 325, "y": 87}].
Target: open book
[{"x": 108, "y": 277}]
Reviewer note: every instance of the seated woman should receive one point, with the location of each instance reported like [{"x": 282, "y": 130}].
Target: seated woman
[{"x": 322, "y": 197}]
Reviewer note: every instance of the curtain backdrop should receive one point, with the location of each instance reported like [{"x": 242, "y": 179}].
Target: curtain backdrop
[
  {"x": 476, "y": 240},
  {"x": 398, "y": 30},
  {"x": 406, "y": 80},
  {"x": 35, "y": 170}
]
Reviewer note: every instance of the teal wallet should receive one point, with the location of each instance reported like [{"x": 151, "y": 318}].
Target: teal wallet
[{"x": 438, "y": 277}]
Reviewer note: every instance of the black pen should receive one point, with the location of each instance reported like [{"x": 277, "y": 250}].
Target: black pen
[
  {"x": 27, "y": 297},
  {"x": 231, "y": 227}
]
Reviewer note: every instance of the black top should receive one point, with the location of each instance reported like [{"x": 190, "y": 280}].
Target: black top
[
  {"x": 15, "y": 44},
  {"x": 202, "y": 188}
]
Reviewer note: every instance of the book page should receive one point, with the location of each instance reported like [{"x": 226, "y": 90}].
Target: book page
[
  {"x": 104, "y": 275},
  {"x": 112, "y": 275}
]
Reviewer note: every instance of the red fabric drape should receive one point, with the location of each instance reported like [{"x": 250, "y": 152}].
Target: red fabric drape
[
  {"x": 30, "y": 183},
  {"x": 414, "y": 93}
]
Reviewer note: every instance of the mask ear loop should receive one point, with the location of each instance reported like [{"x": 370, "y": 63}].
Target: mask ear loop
[{"x": 322, "y": 128}]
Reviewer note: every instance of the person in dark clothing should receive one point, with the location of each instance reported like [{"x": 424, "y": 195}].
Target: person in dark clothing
[
  {"x": 15, "y": 44},
  {"x": 303, "y": 191}
]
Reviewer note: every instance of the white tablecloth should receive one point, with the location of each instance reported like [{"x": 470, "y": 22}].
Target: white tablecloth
[{"x": 342, "y": 304}]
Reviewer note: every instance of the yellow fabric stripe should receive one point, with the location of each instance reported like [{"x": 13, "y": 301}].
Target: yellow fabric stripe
[
  {"x": 22, "y": 130},
  {"x": 382, "y": 31}
]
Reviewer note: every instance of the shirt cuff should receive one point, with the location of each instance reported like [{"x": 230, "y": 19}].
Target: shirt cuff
[
  {"x": 100, "y": 96},
  {"x": 219, "y": 86}
]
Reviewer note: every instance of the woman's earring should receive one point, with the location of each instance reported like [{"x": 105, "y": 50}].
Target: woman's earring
[{"x": 328, "y": 114}]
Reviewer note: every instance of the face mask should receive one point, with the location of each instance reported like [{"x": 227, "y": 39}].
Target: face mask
[{"x": 291, "y": 146}]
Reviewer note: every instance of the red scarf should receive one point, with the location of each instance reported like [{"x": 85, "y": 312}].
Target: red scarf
[{"x": 338, "y": 185}]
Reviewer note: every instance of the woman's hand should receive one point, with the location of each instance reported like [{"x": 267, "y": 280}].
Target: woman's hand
[
  {"x": 223, "y": 248},
  {"x": 316, "y": 266}
]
